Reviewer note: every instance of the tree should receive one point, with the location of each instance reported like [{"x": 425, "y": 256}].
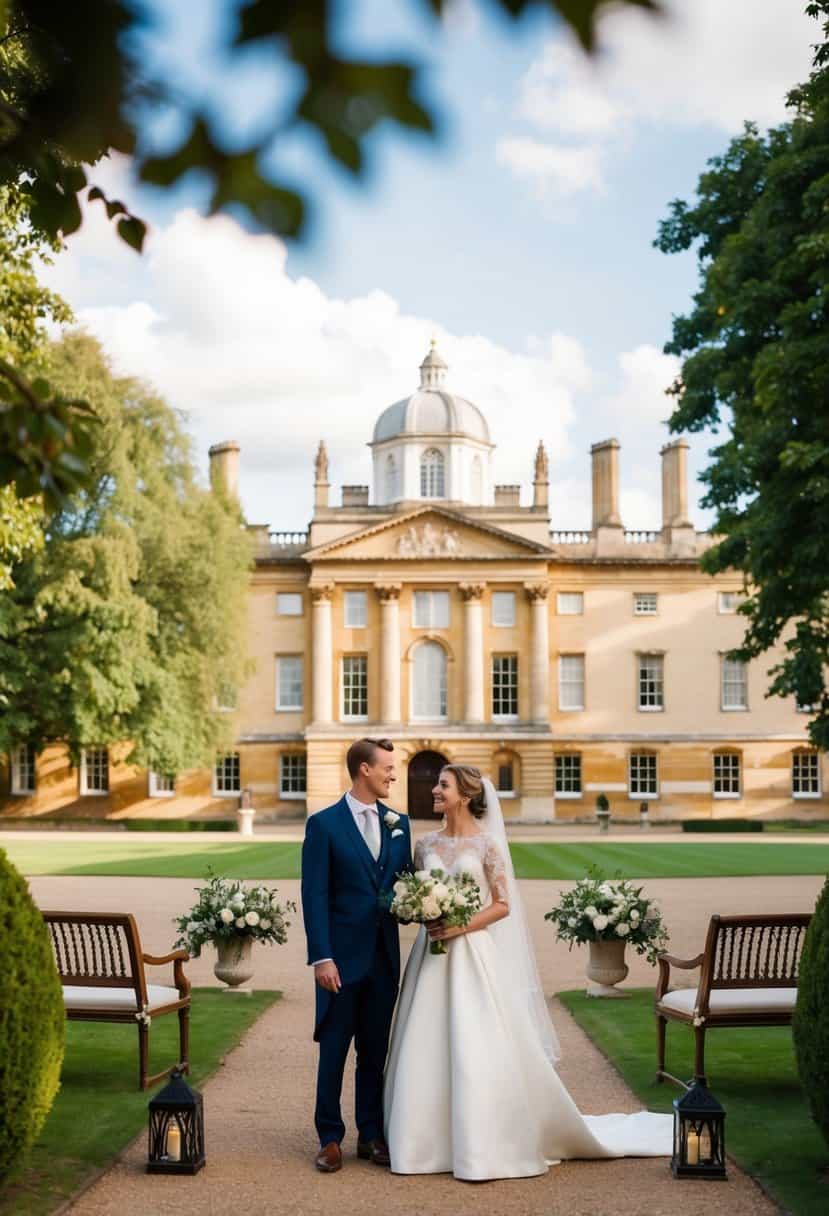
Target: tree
[
  {"x": 25, "y": 306},
  {"x": 755, "y": 351},
  {"x": 72, "y": 90},
  {"x": 131, "y": 620}
]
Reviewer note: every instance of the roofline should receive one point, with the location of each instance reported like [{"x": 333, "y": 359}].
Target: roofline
[{"x": 533, "y": 546}]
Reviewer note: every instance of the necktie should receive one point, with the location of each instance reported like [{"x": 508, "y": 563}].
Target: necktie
[{"x": 371, "y": 832}]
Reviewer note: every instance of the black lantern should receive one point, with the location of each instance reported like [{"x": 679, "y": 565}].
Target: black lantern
[
  {"x": 176, "y": 1129},
  {"x": 699, "y": 1135}
]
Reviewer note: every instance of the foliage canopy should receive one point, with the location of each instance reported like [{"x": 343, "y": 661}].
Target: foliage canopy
[
  {"x": 130, "y": 621},
  {"x": 755, "y": 351}
]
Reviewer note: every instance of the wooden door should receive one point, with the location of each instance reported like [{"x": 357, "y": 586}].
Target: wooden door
[{"x": 424, "y": 769}]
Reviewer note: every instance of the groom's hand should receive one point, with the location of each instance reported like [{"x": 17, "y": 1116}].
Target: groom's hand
[{"x": 328, "y": 977}]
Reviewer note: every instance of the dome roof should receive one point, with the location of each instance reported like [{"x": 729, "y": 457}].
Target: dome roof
[{"x": 432, "y": 410}]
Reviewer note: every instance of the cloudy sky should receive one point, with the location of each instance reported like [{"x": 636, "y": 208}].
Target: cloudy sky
[{"x": 521, "y": 239}]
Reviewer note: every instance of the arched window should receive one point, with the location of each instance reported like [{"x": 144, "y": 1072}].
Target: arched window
[
  {"x": 429, "y": 683},
  {"x": 391, "y": 478},
  {"x": 432, "y": 481},
  {"x": 477, "y": 482}
]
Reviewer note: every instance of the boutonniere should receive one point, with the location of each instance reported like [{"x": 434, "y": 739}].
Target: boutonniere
[{"x": 390, "y": 819}]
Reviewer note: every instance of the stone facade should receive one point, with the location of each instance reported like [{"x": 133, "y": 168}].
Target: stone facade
[{"x": 563, "y": 664}]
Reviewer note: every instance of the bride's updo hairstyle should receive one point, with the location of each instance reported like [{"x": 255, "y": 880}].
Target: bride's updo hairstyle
[{"x": 470, "y": 785}]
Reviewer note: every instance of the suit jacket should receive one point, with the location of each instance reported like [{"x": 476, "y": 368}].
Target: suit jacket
[{"x": 343, "y": 889}]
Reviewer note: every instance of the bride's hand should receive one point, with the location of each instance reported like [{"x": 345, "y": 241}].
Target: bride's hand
[{"x": 440, "y": 932}]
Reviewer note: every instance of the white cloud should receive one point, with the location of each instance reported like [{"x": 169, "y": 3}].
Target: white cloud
[
  {"x": 639, "y": 509},
  {"x": 706, "y": 63},
  {"x": 645, "y": 374},
  {"x": 561, "y": 91},
  {"x": 213, "y": 319},
  {"x": 553, "y": 168}
]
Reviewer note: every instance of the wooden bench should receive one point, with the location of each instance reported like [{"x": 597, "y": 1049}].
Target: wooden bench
[
  {"x": 748, "y": 977},
  {"x": 101, "y": 967}
]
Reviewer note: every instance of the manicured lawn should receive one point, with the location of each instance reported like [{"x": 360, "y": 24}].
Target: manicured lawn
[
  {"x": 100, "y": 1109},
  {"x": 768, "y": 1129},
  {"x": 180, "y": 859},
  {"x": 704, "y": 860}
]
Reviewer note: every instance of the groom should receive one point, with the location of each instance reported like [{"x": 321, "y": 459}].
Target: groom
[{"x": 351, "y": 853}]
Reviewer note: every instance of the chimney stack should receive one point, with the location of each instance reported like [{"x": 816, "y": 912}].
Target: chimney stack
[
  {"x": 605, "y": 460},
  {"x": 541, "y": 480},
  {"x": 224, "y": 467},
  {"x": 675, "y": 484},
  {"x": 321, "y": 482}
]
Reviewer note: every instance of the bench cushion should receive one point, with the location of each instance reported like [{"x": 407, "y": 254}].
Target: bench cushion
[
  {"x": 81, "y": 997},
  {"x": 733, "y": 1000}
]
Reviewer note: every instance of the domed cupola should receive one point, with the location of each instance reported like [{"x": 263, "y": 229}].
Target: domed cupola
[{"x": 432, "y": 445}]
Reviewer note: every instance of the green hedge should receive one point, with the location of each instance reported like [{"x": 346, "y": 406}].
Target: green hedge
[
  {"x": 722, "y": 825},
  {"x": 810, "y": 1025},
  {"x": 32, "y": 1021}
]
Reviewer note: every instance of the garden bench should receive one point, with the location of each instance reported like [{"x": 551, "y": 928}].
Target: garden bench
[
  {"x": 101, "y": 967},
  {"x": 748, "y": 977}
]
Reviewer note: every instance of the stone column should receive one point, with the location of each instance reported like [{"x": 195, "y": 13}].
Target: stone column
[
  {"x": 675, "y": 484},
  {"x": 322, "y": 654},
  {"x": 605, "y": 471},
  {"x": 224, "y": 467},
  {"x": 539, "y": 653},
  {"x": 473, "y": 644},
  {"x": 389, "y": 652}
]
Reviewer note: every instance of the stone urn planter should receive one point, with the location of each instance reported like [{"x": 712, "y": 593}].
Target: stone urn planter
[
  {"x": 233, "y": 965},
  {"x": 606, "y": 967}
]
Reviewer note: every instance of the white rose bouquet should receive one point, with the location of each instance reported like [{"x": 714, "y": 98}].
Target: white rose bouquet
[
  {"x": 226, "y": 909},
  {"x": 599, "y": 909},
  {"x": 429, "y": 895}
]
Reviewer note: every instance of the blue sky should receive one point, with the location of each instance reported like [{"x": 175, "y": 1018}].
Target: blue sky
[{"x": 522, "y": 237}]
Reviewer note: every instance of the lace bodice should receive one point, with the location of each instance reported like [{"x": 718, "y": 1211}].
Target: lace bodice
[{"x": 477, "y": 855}]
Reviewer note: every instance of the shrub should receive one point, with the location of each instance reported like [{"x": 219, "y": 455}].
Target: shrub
[
  {"x": 722, "y": 825},
  {"x": 602, "y": 804},
  {"x": 810, "y": 1025},
  {"x": 32, "y": 1022}
]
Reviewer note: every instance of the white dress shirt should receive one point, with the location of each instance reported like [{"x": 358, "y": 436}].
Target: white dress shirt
[{"x": 357, "y": 808}]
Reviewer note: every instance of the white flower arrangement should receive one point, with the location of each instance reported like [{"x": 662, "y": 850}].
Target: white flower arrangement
[
  {"x": 429, "y": 895},
  {"x": 599, "y": 909},
  {"x": 391, "y": 819},
  {"x": 227, "y": 910}
]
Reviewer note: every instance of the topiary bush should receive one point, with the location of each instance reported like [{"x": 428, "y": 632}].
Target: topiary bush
[
  {"x": 810, "y": 1025},
  {"x": 32, "y": 1022}
]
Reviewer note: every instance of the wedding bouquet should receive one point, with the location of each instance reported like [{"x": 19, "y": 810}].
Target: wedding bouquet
[
  {"x": 429, "y": 895},
  {"x": 599, "y": 909},
  {"x": 226, "y": 909}
]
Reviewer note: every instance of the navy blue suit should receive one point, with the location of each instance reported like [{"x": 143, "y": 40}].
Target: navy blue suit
[{"x": 343, "y": 892}]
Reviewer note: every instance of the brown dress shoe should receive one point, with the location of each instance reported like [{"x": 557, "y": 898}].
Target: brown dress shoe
[
  {"x": 329, "y": 1159},
  {"x": 374, "y": 1150}
]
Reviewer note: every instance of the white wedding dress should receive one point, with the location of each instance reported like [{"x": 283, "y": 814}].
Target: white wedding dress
[{"x": 471, "y": 1087}]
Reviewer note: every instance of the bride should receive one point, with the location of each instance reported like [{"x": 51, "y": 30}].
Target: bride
[{"x": 471, "y": 1086}]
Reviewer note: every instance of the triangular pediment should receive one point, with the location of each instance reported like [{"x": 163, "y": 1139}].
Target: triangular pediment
[{"x": 429, "y": 533}]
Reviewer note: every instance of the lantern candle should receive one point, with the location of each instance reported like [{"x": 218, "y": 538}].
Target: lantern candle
[
  {"x": 174, "y": 1142},
  {"x": 692, "y": 1155}
]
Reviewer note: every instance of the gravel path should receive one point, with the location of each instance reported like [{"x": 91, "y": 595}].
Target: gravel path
[{"x": 260, "y": 1137}]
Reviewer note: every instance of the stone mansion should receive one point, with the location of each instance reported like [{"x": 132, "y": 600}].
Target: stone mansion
[{"x": 433, "y": 608}]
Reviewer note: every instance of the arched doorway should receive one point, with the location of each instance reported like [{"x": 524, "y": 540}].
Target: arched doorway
[{"x": 423, "y": 776}]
